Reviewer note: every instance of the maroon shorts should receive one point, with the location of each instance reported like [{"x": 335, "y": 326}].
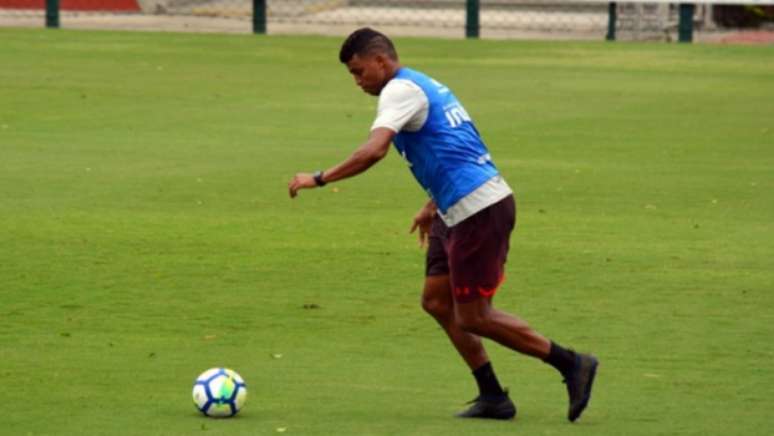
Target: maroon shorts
[{"x": 473, "y": 252}]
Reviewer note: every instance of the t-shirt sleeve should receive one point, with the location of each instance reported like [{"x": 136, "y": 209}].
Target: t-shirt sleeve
[{"x": 402, "y": 104}]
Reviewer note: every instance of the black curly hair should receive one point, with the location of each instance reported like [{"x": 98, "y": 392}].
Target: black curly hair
[{"x": 366, "y": 41}]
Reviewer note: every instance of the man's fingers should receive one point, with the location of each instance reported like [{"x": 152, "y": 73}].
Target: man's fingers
[
  {"x": 422, "y": 238},
  {"x": 414, "y": 226}
]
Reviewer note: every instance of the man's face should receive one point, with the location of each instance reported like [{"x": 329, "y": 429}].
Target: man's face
[{"x": 369, "y": 71}]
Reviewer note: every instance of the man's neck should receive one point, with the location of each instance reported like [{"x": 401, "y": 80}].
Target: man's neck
[{"x": 394, "y": 68}]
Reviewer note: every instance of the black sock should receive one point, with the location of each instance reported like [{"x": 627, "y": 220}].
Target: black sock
[
  {"x": 488, "y": 386},
  {"x": 560, "y": 358}
]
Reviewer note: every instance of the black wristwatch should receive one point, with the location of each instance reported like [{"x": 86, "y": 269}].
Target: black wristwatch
[{"x": 318, "y": 175}]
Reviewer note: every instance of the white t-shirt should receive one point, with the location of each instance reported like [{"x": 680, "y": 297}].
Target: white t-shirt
[{"x": 403, "y": 106}]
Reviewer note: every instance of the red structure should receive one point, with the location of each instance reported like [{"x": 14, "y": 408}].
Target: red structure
[{"x": 75, "y": 5}]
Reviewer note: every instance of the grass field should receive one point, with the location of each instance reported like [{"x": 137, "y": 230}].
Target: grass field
[{"x": 146, "y": 235}]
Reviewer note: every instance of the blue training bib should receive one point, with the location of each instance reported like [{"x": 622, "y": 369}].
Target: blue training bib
[{"x": 446, "y": 156}]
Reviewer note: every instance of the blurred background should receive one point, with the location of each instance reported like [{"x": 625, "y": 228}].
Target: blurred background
[{"x": 725, "y": 20}]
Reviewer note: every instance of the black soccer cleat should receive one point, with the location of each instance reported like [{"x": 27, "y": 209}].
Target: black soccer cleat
[
  {"x": 490, "y": 407},
  {"x": 579, "y": 382}
]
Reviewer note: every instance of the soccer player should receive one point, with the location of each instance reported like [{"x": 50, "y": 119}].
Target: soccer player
[{"x": 466, "y": 224}]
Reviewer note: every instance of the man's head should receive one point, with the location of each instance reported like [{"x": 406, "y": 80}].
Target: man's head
[{"x": 370, "y": 58}]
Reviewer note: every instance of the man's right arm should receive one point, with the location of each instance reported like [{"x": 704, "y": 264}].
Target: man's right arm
[
  {"x": 364, "y": 157},
  {"x": 400, "y": 102}
]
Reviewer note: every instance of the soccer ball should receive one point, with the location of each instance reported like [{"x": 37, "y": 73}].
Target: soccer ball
[{"x": 219, "y": 392}]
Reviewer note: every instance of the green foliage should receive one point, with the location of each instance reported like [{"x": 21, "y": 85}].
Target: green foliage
[{"x": 147, "y": 235}]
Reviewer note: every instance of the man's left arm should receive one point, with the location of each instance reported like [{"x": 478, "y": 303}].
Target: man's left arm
[{"x": 364, "y": 157}]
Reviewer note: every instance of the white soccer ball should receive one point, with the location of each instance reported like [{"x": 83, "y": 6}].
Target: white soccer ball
[{"x": 219, "y": 392}]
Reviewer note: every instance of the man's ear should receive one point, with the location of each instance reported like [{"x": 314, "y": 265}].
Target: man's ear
[{"x": 380, "y": 59}]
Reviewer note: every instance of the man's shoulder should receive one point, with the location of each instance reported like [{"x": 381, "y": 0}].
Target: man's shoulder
[
  {"x": 413, "y": 75},
  {"x": 401, "y": 89},
  {"x": 428, "y": 84}
]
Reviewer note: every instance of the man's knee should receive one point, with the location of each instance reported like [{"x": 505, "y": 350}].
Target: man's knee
[
  {"x": 436, "y": 298},
  {"x": 472, "y": 322},
  {"x": 439, "y": 308}
]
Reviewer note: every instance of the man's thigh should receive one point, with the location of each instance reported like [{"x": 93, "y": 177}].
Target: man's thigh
[
  {"x": 438, "y": 288},
  {"x": 436, "y": 259},
  {"x": 477, "y": 249}
]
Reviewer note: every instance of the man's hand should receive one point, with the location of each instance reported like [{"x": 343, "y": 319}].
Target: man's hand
[
  {"x": 301, "y": 181},
  {"x": 423, "y": 221}
]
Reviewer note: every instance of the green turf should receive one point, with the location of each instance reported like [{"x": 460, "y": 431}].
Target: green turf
[{"x": 146, "y": 235}]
